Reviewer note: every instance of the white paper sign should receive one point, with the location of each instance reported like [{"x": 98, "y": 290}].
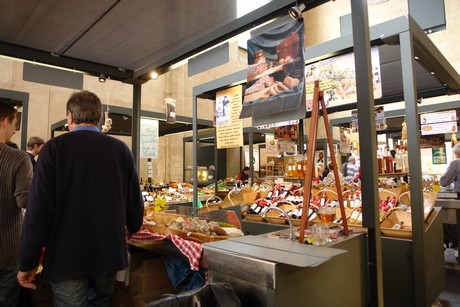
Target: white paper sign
[{"x": 149, "y": 138}]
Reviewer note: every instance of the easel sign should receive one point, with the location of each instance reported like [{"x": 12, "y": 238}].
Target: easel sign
[{"x": 318, "y": 101}]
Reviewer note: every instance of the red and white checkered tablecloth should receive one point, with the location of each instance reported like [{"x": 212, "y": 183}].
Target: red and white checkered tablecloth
[{"x": 192, "y": 250}]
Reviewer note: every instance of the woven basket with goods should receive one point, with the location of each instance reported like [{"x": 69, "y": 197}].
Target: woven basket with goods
[
  {"x": 332, "y": 194},
  {"x": 397, "y": 224},
  {"x": 188, "y": 228},
  {"x": 276, "y": 217},
  {"x": 428, "y": 202},
  {"x": 212, "y": 203},
  {"x": 249, "y": 197}
]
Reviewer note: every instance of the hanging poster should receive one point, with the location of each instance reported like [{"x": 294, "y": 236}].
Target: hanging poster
[
  {"x": 439, "y": 155},
  {"x": 271, "y": 146},
  {"x": 337, "y": 79},
  {"x": 287, "y": 132},
  {"x": 275, "y": 74},
  {"x": 229, "y": 127},
  {"x": 149, "y": 138},
  {"x": 170, "y": 111},
  {"x": 380, "y": 120}
]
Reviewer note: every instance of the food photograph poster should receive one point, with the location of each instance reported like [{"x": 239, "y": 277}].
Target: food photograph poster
[
  {"x": 337, "y": 79},
  {"x": 275, "y": 73}
]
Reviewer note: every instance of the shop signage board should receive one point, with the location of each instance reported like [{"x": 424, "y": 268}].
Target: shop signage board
[
  {"x": 284, "y": 146},
  {"x": 275, "y": 75},
  {"x": 271, "y": 146},
  {"x": 149, "y": 138},
  {"x": 439, "y": 122},
  {"x": 439, "y": 155},
  {"x": 380, "y": 121},
  {"x": 337, "y": 79},
  {"x": 229, "y": 126}
]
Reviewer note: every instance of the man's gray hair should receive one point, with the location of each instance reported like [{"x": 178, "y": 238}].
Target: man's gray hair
[
  {"x": 351, "y": 158},
  {"x": 456, "y": 149}
]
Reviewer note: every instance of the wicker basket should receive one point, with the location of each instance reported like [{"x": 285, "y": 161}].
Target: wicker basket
[
  {"x": 162, "y": 218},
  {"x": 212, "y": 206},
  {"x": 428, "y": 202},
  {"x": 384, "y": 194},
  {"x": 249, "y": 197},
  {"x": 263, "y": 194},
  {"x": 397, "y": 217},
  {"x": 314, "y": 219},
  {"x": 332, "y": 194},
  {"x": 275, "y": 220},
  {"x": 253, "y": 217},
  {"x": 272, "y": 216},
  {"x": 347, "y": 192}
]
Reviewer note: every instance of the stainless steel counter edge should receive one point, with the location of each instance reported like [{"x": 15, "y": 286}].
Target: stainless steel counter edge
[{"x": 237, "y": 265}]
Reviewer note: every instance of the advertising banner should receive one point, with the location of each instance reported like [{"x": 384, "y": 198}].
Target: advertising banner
[
  {"x": 337, "y": 79},
  {"x": 439, "y": 122},
  {"x": 275, "y": 74},
  {"x": 229, "y": 127}
]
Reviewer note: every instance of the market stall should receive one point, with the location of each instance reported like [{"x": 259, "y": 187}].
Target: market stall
[{"x": 421, "y": 253}]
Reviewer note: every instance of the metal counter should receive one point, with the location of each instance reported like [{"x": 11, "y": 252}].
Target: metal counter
[{"x": 279, "y": 272}]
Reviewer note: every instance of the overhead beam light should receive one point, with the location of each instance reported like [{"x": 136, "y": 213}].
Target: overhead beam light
[
  {"x": 102, "y": 78},
  {"x": 154, "y": 75},
  {"x": 296, "y": 11}
]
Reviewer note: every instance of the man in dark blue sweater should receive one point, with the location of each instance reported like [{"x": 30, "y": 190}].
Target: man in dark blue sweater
[{"x": 84, "y": 200}]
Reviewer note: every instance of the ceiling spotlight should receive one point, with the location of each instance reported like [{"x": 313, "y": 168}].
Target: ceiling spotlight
[
  {"x": 296, "y": 11},
  {"x": 102, "y": 78},
  {"x": 154, "y": 75}
]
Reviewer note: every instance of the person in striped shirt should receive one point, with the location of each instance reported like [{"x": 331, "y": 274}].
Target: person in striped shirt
[{"x": 15, "y": 179}]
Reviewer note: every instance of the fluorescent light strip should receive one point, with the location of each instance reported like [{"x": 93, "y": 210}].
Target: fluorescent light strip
[{"x": 42, "y": 64}]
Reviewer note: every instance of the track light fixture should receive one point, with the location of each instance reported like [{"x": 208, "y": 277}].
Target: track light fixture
[
  {"x": 102, "y": 78},
  {"x": 296, "y": 11},
  {"x": 154, "y": 75}
]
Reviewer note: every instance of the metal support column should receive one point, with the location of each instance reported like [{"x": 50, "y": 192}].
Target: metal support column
[
  {"x": 301, "y": 137},
  {"x": 416, "y": 188},
  {"x": 194, "y": 155},
  {"x": 136, "y": 124},
  {"x": 251, "y": 153},
  {"x": 368, "y": 145}
]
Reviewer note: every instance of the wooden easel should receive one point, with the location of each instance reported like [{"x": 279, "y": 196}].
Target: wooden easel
[{"x": 318, "y": 99}]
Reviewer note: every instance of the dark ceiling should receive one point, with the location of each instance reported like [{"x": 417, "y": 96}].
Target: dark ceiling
[
  {"x": 125, "y": 39},
  {"x": 125, "y": 34}
]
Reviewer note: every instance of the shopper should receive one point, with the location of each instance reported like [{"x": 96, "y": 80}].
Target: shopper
[
  {"x": 351, "y": 169},
  {"x": 330, "y": 178},
  {"x": 12, "y": 145},
  {"x": 452, "y": 174},
  {"x": 84, "y": 192},
  {"x": 243, "y": 175},
  {"x": 34, "y": 145},
  {"x": 15, "y": 178}
]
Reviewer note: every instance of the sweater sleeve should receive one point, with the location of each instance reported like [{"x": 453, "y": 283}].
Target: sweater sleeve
[
  {"x": 40, "y": 210},
  {"x": 135, "y": 205},
  {"x": 451, "y": 173},
  {"x": 23, "y": 180}
]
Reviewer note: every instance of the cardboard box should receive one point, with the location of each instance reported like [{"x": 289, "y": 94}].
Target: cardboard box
[
  {"x": 122, "y": 296},
  {"x": 150, "y": 280}
]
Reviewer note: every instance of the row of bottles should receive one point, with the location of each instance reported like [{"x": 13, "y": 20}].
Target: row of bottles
[
  {"x": 387, "y": 164},
  {"x": 296, "y": 167}
]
